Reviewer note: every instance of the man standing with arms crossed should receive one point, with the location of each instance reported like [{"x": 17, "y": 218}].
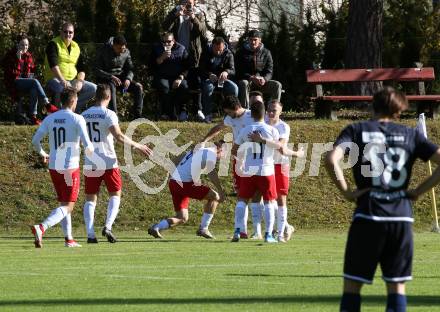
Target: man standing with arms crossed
[{"x": 65, "y": 129}]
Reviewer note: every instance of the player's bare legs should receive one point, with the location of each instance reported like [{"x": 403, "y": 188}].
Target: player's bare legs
[
  {"x": 396, "y": 288},
  {"x": 396, "y": 300},
  {"x": 181, "y": 217},
  {"x": 351, "y": 298}
]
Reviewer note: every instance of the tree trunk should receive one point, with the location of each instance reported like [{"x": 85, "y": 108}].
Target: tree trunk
[{"x": 364, "y": 41}]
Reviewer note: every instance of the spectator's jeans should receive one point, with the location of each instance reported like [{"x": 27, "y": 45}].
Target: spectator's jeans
[
  {"x": 169, "y": 97},
  {"x": 35, "y": 90},
  {"x": 271, "y": 91},
  {"x": 194, "y": 83},
  {"x": 136, "y": 91},
  {"x": 208, "y": 87},
  {"x": 86, "y": 93}
]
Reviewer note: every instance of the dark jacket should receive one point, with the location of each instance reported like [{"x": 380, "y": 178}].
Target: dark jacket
[
  {"x": 109, "y": 64},
  {"x": 14, "y": 68},
  {"x": 208, "y": 64},
  {"x": 172, "y": 67},
  {"x": 197, "y": 35},
  {"x": 250, "y": 63}
]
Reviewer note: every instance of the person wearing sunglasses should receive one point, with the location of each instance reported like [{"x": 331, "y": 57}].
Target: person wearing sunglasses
[
  {"x": 188, "y": 24},
  {"x": 169, "y": 63},
  {"x": 64, "y": 67}
]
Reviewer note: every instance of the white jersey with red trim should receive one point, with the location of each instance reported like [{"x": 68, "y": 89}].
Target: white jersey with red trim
[
  {"x": 194, "y": 164},
  {"x": 237, "y": 124},
  {"x": 99, "y": 119},
  {"x": 258, "y": 159},
  {"x": 65, "y": 129}
]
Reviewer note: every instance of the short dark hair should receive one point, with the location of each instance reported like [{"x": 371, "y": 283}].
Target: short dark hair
[
  {"x": 218, "y": 40},
  {"x": 276, "y": 102},
  {"x": 119, "y": 40},
  {"x": 20, "y": 37},
  {"x": 254, "y": 33},
  {"x": 256, "y": 93},
  {"x": 389, "y": 102},
  {"x": 231, "y": 102},
  {"x": 102, "y": 92},
  {"x": 257, "y": 110},
  {"x": 219, "y": 144},
  {"x": 67, "y": 96}
]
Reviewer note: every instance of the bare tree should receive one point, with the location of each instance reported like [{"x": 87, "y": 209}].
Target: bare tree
[{"x": 364, "y": 39}]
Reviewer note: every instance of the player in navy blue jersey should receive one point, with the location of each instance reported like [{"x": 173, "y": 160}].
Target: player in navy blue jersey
[{"x": 381, "y": 231}]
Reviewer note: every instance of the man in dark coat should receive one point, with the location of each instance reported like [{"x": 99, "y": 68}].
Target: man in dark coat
[
  {"x": 216, "y": 70},
  {"x": 115, "y": 68},
  {"x": 255, "y": 69},
  {"x": 169, "y": 63}
]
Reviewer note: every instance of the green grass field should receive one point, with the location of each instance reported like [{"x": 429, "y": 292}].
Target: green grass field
[{"x": 188, "y": 273}]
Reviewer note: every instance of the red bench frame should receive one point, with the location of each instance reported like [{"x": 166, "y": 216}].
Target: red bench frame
[{"x": 323, "y": 103}]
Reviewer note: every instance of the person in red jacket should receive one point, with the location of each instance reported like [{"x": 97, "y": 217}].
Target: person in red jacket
[{"x": 19, "y": 70}]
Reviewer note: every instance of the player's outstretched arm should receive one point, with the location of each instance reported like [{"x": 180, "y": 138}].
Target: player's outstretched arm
[
  {"x": 429, "y": 182},
  {"x": 288, "y": 152},
  {"x": 122, "y": 138},
  {"x": 214, "y": 131},
  {"x": 275, "y": 144},
  {"x": 337, "y": 174}
]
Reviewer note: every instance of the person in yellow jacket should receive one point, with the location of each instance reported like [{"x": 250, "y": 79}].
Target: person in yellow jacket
[{"x": 64, "y": 67}]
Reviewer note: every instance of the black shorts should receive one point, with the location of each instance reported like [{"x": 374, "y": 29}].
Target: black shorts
[{"x": 387, "y": 243}]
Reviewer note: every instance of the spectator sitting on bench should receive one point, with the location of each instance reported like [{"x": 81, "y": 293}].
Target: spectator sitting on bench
[
  {"x": 169, "y": 62},
  {"x": 115, "y": 68},
  {"x": 19, "y": 70},
  {"x": 254, "y": 70},
  {"x": 64, "y": 67},
  {"x": 216, "y": 69}
]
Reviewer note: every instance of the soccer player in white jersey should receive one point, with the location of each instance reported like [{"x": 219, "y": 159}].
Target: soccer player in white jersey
[
  {"x": 65, "y": 129},
  {"x": 255, "y": 165},
  {"x": 185, "y": 184},
  {"x": 282, "y": 168},
  {"x": 236, "y": 118},
  {"x": 103, "y": 126}
]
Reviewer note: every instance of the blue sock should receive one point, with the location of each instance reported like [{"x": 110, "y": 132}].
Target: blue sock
[
  {"x": 396, "y": 303},
  {"x": 350, "y": 303}
]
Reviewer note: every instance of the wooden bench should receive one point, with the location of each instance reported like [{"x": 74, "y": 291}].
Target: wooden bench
[{"x": 323, "y": 103}]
